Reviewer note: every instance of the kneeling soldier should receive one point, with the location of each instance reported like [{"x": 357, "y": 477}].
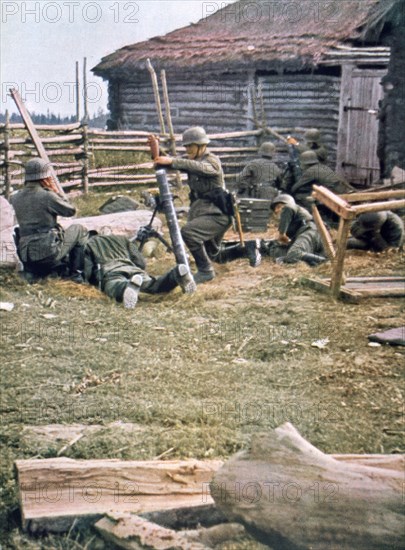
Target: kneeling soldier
[{"x": 207, "y": 222}]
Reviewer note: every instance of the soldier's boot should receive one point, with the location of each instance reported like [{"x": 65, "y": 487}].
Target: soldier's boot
[
  {"x": 131, "y": 293},
  {"x": 313, "y": 259},
  {"x": 205, "y": 271},
  {"x": 76, "y": 264},
  {"x": 185, "y": 279},
  {"x": 228, "y": 253},
  {"x": 253, "y": 252}
]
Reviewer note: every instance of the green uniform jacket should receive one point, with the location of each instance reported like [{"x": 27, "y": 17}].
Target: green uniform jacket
[
  {"x": 318, "y": 174},
  {"x": 258, "y": 171},
  {"x": 37, "y": 210},
  {"x": 204, "y": 175}
]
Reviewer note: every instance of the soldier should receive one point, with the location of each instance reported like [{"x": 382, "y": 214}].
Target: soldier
[
  {"x": 315, "y": 173},
  {"x": 298, "y": 238},
  {"x": 261, "y": 177},
  {"x": 313, "y": 142},
  {"x": 376, "y": 231},
  {"x": 208, "y": 219},
  {"x": 116, "y": 266},
  {"x": 42, "y": 244}
]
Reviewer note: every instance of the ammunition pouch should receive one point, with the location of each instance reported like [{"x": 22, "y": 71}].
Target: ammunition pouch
[{"x": 222, "y": 199}]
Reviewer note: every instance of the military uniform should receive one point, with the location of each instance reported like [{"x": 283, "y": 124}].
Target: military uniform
[
  {"x": 43, "y": 244},
  {"x": 111, "y": 261},
  {"x": 206, "y": 223},
  {"x": 376, "y": 231},
  {"x": 305, "y": 242},
  {"x": 259, "y": 179}
]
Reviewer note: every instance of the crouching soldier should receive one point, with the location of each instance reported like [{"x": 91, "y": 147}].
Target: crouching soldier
[
  {"x": 260, "y": 178},
  {"x": 42, "y": 244},
  {"x": 298, "y": 238},
  {"x": 115, "y": 265},
  {"x": 376, "y": 231},
  {"x": 208, "y": 220}
]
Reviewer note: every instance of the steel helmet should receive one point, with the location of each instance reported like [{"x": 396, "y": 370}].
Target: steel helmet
[
  {"x": 37, "y": 169},
  {"x": 267, "y": 149},
  {"x": 308, "y": 158},
  {"x": 195, "y": 135},
  {"x": 313, "y": 134},
  {"x": 283, "y": 198}
]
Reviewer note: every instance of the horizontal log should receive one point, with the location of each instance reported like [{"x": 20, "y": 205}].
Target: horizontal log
[
  {"x": 373, "y": 195},
  {"x": 379, "y": 206},
  {"x": 66, "y": 488},
  {"x": 294, "y": 496},
  {"x": 118, "y": 141},
  {"x": 142, "y": 166},
  {"x": 333, "y": 202},
  {"x": 64, "y": 152},
  {"x": 117, "y": 133},
  {"x": 50, "y": 127}
]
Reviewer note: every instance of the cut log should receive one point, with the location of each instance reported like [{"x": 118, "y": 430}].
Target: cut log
[
  {"x": 55, "y": 492},
  {"x": 290, "y": 495}
]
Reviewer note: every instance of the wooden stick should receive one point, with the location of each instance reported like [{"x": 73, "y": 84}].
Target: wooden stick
[
  {"x": 86, "y": 112},
  {"x": 77, "y": 93},
  {"x": 158, "y": 104},
  {"x": 169, "y": 123},
  {"x": 252, "y": 90},
  {"x": 6, "y": 164},
  {"x": 35, "y": 137},
  {"x": 85, "y": 174},
  {"x": 324, "y": 233},
  {"x": 337, "y": 273}
]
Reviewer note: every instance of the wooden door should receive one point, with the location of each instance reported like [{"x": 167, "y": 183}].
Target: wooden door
[{"x": 357, "y": 157}]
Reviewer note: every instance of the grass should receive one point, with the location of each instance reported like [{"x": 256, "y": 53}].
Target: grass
[{"x": 196, "y": 375}]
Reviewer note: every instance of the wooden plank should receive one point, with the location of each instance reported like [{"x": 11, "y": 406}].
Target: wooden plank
[
  {"x": 34, "y": 136},
  {"x": 324, "y": 233},
  {"x": 62, "y": 487},
  {"x": 373, "y": 195},
  {"x": 337, "y": 271},
  {"x": 333, "y": 202},
  {"x": 379, "y": 206},
  {"x": 324, "y": 286}
]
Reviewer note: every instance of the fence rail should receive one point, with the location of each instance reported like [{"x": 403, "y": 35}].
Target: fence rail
[{"x": 79, "y": 154}]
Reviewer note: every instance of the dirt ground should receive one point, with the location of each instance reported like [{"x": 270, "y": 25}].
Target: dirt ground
[{"x": 197, "y": 374}]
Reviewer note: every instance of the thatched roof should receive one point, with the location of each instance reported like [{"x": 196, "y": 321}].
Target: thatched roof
[{"x": 255, "y": 33}]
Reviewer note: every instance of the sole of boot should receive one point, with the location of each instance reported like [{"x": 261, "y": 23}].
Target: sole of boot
[
  {"x": 186, "y": 280},
  {"x": 131, "y": 293}
]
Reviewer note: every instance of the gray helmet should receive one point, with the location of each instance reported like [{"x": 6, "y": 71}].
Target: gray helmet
[
  {"x": 308, "y": 158},
  {"x": 37, "y": 169},
  {"x": 313, "y": 135},
  {"x": 283, "y": 198},
  {"x": 267, "y": 149},
  {"x": 372, "y": 219},
  {"x": 195, "y": 135}
]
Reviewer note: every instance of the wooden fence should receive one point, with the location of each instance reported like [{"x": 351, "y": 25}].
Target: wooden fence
[{"x": 83, "y": 157}]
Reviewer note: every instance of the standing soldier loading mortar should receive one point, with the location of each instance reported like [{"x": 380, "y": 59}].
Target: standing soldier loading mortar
[{"x": 208, "y": 218}]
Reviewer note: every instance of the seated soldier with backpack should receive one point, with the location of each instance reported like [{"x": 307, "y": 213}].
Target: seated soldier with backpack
[
  {"x": 42, "y": 244},
  {"x": 376, "y": 231}
]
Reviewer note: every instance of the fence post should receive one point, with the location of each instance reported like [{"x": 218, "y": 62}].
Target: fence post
[
  {"x": 7, "y": 179},
  {"x": 85, "y": 171}
]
